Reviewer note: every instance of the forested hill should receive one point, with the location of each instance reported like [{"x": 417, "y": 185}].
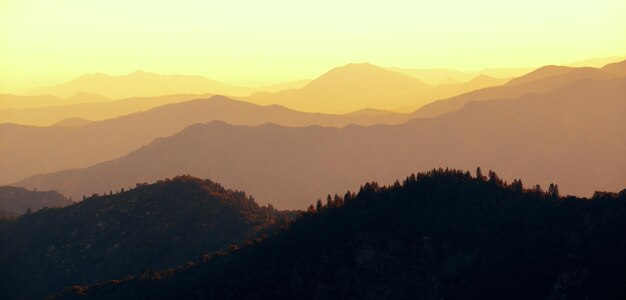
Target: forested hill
[
  {"x": 157, "y": 226},
  {"x": 437, "y": 235}
]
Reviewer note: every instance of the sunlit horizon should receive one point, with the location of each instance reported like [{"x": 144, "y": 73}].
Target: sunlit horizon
[{"x": 247, "y": 43}]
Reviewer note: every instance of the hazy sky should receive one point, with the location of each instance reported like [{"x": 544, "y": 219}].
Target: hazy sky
[{"x": 258, "y": 42}]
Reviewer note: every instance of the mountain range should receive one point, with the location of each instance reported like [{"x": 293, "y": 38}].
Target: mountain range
[
  {"x": 354, "y": 86},
  {"x": 572, "y": 134},
  {"x": 28, "y": 150}
]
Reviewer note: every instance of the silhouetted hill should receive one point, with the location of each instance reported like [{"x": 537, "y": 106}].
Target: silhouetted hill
[
  {"x": 32, "y": 150},
  {"x": 14, "y": 102},
  {"x": 98, "y": 111},
  {"x": 72, "y": 122},
  {"x": 573, "y": 135},
  {"x": 139, "y": 84},
  {"x": 348, "y": 88},
  {"x": 19, "y": 200},
  {"x": 439, "y": 235},
  {"x": 538, "y": 81},
  {"x": 356, "y": 86},
  {"x": 152, "y": 226}
]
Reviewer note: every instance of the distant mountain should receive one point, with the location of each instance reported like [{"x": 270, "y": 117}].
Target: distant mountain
[
  {"x": 435, "y": 77},
  {"x": 349, "y": 88},
  {"x": 597, "y": 62},
  {"x": 139, "y": 84},
  {"x": 8, "y": 101},
  {"x": 357, "y": 86},
  {"x": 573, "y": 135},
  {"x": 46, "y": 116},
  {"x": 72, "y": 122},
  {"x": 152, "y": 226},
  {"x": 19, "y": 200},
  {"x": 538, "y": 81},
  {"x": 437, "y": 235},
  {"x": 32, "y": 150}
]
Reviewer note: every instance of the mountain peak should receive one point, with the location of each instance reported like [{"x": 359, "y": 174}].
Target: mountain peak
[{"x": 541, "y": 73}]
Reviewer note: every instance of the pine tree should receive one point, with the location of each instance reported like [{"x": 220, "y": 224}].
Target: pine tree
[
  {"x": 319, "y": 205},
  {"x": 479, "y": 174}
]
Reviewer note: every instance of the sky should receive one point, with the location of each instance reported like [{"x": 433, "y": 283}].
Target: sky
[{"x": 257, "y": 42}]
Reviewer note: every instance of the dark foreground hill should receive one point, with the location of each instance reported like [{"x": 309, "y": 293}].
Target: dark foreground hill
[
  {"x": 19, "y": 200},
  {"x": 152, "y": 226},
  {"x": 440, "y": 235}
]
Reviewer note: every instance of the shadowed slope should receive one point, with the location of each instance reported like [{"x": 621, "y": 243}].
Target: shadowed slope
[
  {"x": 19, "y": 200},
  {"x": 440, "y": 235},
  {"x": 159, "y": 225}
]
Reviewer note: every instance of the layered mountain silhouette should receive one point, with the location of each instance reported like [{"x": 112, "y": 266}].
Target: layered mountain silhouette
[
  {"x": 147, "y": 84},
  {"x": 156, "y": 226},
  {"x": 50, "y": 115},
  {"x": 28, "y": 150},
  {"x": 572, "y": 134},
  {"x": 139, "y": 84},
  {"x": 540, "y": 80},
  {"x": 349, "y": 88},
  {"x": 8, "y": 101},
  {"x": 438, "y": 235},
  {"x": 19, "y": 200},
  {"x": 355, "y": 86}
]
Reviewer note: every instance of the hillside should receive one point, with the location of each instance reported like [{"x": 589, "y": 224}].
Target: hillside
[
  {"x": 94, "y": 111},
  {"x": 13, "y": 102},
  {"x": 19, "y": 200},
  {"x": 541, "y": 80},
  {"x": 438, "y": 235},
  {"x": 572, "y": 135},
  {"x": 158, "y": 226},
  {"x": 348, "y": 88},
  {"x": 28, "y": 150},
  {"x": 139, "y": 84},
  {"x": 357, "y": 86}
]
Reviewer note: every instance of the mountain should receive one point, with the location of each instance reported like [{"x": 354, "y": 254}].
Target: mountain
[
  {"x": 72, "y": 122},
  {"x": 139, "y": 84},
  {"x": 158, "y": 226},
  {"x": 573, "y": 135},
  {"x": 28, "y": 150},
  {"x": 349, "y": 88},
  {"x": 597, "y": 62},
  {"x": 357, "y": 86},
  {"x": 438, "y": 235},
  {"x": 435, "y": 77},
  {"x": 538, "y": 81},
  {"x": 19, "y": 200},
  {"x": 617, "y": 69},
  {"x": 8, "y": 101},
  {"x": 99, "y": 111}
]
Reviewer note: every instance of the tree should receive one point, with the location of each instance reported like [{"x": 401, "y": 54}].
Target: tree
[
  {"x": 517, "y": 186},
  {"x": 479, "y": 174},
  {"x": 329, "y": 201},
  {"x": 311, "y": 209},
  {"x": 337, "y": 201},
  {"x": 553, "y": 191},
  {"x": 319, "y": 205},
  {"x": 28, "y": 211}
]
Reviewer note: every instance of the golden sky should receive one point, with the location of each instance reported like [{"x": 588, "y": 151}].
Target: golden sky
[{"x": 262, "y": 42}]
